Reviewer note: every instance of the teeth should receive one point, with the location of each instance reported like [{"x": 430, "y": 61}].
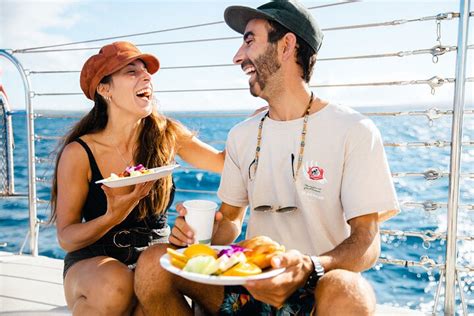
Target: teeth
[
  {"x": 248, "y": 70},
  {"x": 145, "y": 92}
]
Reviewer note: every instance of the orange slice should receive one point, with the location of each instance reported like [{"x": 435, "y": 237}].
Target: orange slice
[
  {"x": 177, "y": 263},
  {"x": 199, "y": 250},
  {"x": 177, "y": 255},
  {"x": 263, "y": 260},
  {"x": 243, "y": 269}
]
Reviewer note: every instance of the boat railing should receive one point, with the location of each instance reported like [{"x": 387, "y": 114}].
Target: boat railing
[
  {"x": 7, "y": 179},
  {"x": 449, "y": 270}
]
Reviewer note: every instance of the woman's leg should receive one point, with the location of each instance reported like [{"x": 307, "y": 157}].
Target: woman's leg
[{"x": 99, "y": 286}]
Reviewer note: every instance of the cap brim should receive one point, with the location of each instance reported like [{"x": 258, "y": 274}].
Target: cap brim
[
  {"x": 152, "y": 63},
  {"x": 237, "y": 17}
]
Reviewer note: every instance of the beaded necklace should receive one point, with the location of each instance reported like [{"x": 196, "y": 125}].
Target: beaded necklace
[{"x": 302, "y": 142}]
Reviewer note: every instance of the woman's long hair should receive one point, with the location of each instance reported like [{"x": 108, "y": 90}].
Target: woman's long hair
[{"x": 157, "y": 146}]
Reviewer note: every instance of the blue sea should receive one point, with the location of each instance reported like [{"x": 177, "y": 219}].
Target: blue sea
[{"x": 395, "y": 285}]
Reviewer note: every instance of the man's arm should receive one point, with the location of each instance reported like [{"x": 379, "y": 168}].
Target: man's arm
[
  {"x": 360, "y": 250},
  {"x": 229, "y": 227},
  {"x": 356, "y": 253}
]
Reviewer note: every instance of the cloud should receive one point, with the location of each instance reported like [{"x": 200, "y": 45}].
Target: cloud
[{"x": 27, "y": 24}]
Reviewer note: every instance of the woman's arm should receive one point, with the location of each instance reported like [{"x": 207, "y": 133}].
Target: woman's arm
[
  {"x": 201, "y": 155},
  {"x": 73, "y": 186}
]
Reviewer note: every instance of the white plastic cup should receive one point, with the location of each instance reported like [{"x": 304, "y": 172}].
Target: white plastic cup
[{"x": 200, "y": 216}]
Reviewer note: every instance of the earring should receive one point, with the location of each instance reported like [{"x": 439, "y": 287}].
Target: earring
[{"x": 107, "y": 98}]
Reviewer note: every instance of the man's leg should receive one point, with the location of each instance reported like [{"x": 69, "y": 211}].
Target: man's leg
[
  {"x": 345, "y": 293},
  {"x": 162, "y": 293}
]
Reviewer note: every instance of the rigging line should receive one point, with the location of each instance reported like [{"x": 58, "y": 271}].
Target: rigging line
[
  {"x": 427, "y": 235},
  {"x": 425, "y": 263},
  {"x": 432, "y": 113},
  {"x": 398, "y": 54},
  {"x": 441, "y": 16},
  {"x": 433, "y": 51},
  {"x": 173, "y": 115},
  {"x": 437, "y": 143},
  {"x": 333, "y": 4},
  {"x": 138, "y": 45},
  {"x": 396, "y": 22},
  {"x": 435, "y": 82},
  {"x": 119, "y": 36},
  {"x": 154, "y": 32},
  {"x": 432, "y": 176},
  {"x": 430, "y": 206}
]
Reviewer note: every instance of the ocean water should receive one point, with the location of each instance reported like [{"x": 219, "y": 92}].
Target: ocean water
[{"x": 395, "y": 285}]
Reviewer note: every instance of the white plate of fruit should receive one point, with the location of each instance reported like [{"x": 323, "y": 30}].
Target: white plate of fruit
[{"x": 224, "y": 265}]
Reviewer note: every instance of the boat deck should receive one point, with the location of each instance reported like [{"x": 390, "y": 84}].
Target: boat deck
[
  {"x": 31, "y": 285},
  {"x": 34, "y": 286}
]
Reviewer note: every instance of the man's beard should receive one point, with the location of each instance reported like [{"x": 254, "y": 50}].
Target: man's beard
[{"x": 265, "y": 66}]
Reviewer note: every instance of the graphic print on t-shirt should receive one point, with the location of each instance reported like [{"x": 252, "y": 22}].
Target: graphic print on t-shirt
[{"x": 315, "y": 178}]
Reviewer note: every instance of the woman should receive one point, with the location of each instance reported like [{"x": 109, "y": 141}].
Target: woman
[{"x": 104, "y": 230}]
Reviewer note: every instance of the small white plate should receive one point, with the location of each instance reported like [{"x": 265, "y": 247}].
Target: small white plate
[
  {"x": 215, "y": 279},
  {"x": 155, "y": 173}
]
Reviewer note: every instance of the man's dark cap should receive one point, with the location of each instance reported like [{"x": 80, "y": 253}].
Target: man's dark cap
[{"x": 289, "y": 13}]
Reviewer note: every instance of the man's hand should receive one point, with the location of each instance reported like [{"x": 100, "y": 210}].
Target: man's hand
[
  {"x": 275, "y": 291},
  {"x": 182, "y": 234}
]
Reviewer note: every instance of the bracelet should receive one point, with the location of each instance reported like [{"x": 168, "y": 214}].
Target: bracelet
[{"x": 316, "y": 274}]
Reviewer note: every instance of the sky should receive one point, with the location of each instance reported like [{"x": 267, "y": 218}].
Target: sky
[{"x": 25, "y": 24}]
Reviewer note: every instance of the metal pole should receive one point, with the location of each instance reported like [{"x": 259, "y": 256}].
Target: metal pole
[
  {"x": 10, "y": 141},
  {"x": 31, "y": 152},
  {"x": 457, "y": 126}
]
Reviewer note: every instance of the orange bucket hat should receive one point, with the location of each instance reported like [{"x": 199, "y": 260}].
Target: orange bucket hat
[{"x": 112, "y": 57}]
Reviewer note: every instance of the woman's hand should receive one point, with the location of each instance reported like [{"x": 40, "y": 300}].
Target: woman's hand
[
  {"x": 119, "y": 206},
  {"x": 182, "y": 234},
  {"x": 275, "y": 291}
]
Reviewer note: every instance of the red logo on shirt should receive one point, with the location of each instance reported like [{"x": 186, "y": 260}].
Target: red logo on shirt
[{"x": 315, "y": 173}]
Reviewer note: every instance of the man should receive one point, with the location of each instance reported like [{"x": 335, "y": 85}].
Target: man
[{"x": 315, "y": 177}]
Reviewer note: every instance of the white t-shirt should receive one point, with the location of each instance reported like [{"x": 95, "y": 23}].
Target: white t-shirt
[{"x": 344, "y": 174}]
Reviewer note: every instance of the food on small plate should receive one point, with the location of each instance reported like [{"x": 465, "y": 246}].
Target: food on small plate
[
  {"x": 246, "y": 258},
  {"x": 131, "y": 171}
]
